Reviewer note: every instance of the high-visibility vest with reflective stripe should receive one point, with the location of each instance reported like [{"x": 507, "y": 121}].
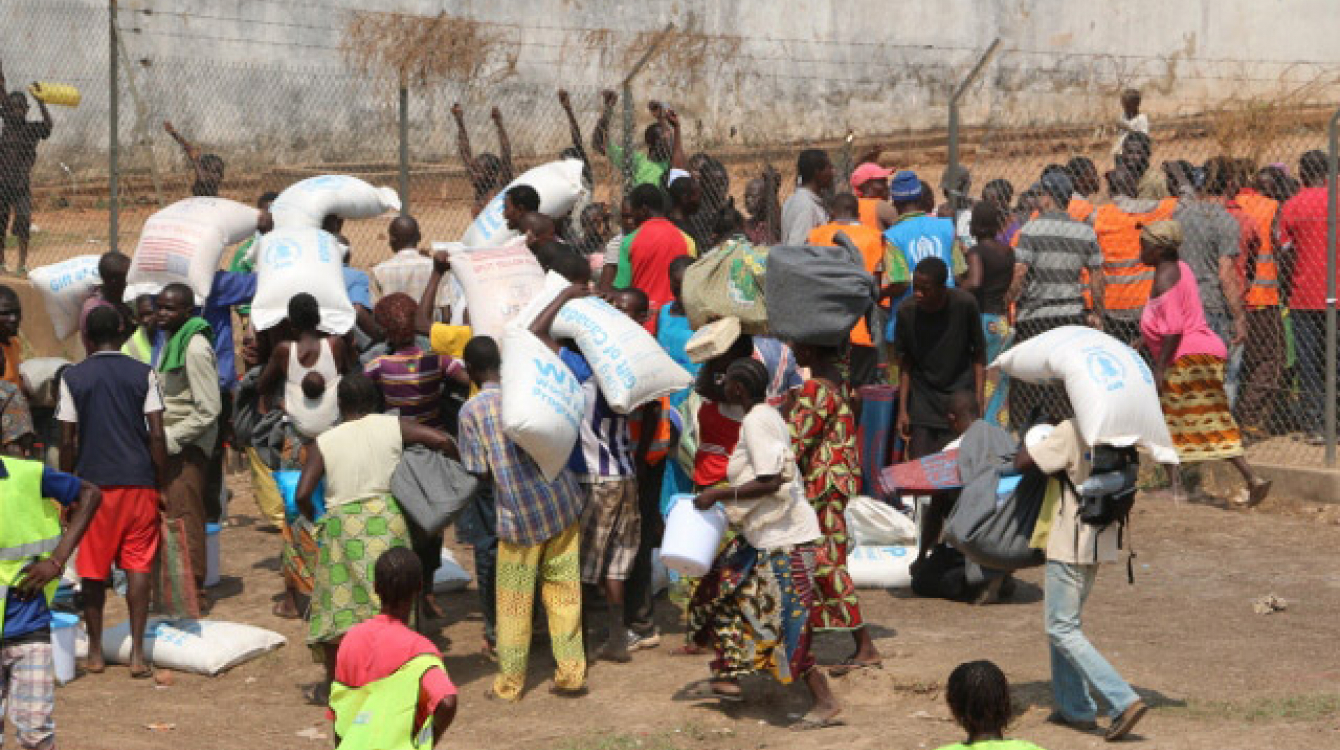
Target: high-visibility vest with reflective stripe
[
  {"x": 29, "y": 526},
  {"x": 1264, "y": 288},
  {"x": 380, "y": 715},
  {"x": 870, "y": 213},
  {"x": 1127, "y": 280}
]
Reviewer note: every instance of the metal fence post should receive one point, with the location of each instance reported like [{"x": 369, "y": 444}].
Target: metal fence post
[
  {"x": 1331, "y": 194},
  {"x": 957, "y": 94},
  {"x": 113, "y": 214},
  {"x": 404, "y": 149}
]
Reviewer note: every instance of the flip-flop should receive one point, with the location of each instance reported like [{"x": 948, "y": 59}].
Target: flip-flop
[
  {"x": 277, "y": 611},
  {"x": 1258, "y": 494},
  {"x": 807, "y": 723},
  {"x": 145, "y": 674},
  {"x": 702, "y": 690},
  {"x": 851, "y": 665}
]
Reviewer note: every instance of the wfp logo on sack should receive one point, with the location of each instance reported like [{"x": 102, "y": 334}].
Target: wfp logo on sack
[
  {"x": 558, "y": 373},
  {"x": 325, "y": 182},
  {"x": 1105, "y": 369},
  {"x": 282, "y": 254}
]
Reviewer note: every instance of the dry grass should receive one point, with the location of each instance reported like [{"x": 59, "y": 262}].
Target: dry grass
[
  {"x": 1246, "y": 127},
  {"x": 418, "y": 51}
]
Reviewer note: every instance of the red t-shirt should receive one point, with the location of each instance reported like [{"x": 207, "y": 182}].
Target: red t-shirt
[
  {"x": 656, "y": 244},
  {"x": 1303, "y": 222},
  {"x": 717, "y": 436},
  {"x": 375, "y": 649}
]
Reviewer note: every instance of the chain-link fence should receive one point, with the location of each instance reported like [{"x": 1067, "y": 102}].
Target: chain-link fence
[{"x": 277, "y": 96}]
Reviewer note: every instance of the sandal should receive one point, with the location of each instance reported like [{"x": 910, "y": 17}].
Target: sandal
[
  {"x": 143, "y": 674},
  {"x": 852, "y": 665},
  {"x": 809, "y": 722},
  {"x": 283, "y": 613}
]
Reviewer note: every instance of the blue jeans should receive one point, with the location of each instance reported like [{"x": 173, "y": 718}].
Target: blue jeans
[
  {"x": 478, "y": 527},
  {"x": 1076, "y": 664}
]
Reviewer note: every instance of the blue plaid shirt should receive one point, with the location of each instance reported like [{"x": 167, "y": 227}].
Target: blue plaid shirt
[{"x": 531, "y": 509}]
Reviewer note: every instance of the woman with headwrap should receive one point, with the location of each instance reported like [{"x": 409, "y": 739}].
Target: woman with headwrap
[
  {"x": 1189, "y": 360},
  {"x": 411, "y": 382}
]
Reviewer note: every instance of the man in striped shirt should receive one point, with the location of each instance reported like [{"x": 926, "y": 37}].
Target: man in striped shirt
[
  {"x": 603, "y": 461},
  {"x": 1053, "y": 250}
]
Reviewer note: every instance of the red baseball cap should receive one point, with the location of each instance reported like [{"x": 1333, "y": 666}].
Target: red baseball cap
[{"x": 867, "y": 172}]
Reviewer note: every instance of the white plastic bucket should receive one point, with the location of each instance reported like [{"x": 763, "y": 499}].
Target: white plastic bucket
[
  {"x": 692, "y": 537},
  {"x": 64, "y": 627},
  {"x": 212, "y": 554}
]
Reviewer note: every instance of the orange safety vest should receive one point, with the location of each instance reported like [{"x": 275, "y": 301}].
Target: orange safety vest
[
  {"x": 1264, "y": 288},
  {"x": 1128, "y": 282},
  {"x": 870, "y": 213},
  {"x": 1080, "y": 209},
  {"x": 872, "y": 246}
]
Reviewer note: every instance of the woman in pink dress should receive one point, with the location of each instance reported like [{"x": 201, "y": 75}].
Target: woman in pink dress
[{"x": 1189, "y": 365}]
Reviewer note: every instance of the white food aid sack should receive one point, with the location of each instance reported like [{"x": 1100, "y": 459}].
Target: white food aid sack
[
  {"x": 300, "y": 259},
  {"x": 64, "y": 287},
  {"x": 309, "y": 202},
  {"x": 184, "y": 242},
  {"x": 450, "y": 576},
  {"x": 497, "y": 282},
  {"x": 1110, "y": 386},
  {"x": 560, "y": 186},
  {"x": 871, "y": 522},
  {"x": 553, "y": 284},
  {"x": 881, "y": 567},
  {"x": 630, "y": 367},
  {"x": 39, "y": 380},
  {"x": 542, "y": 402},
  {"x": 205, "y": 647}
]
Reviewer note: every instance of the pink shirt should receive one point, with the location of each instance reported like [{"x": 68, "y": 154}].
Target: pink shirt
[
  {"x": 377, "y": 648},
  {"x": 1178, "y": 311}
]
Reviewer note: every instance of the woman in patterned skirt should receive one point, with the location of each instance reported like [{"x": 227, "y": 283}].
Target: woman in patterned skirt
[
  {"x": 823, "y": 431},
  {"x": 362, "y": 520},
  {"x": 1189, "y": 365},
  {"x": 754, "y": 606}
]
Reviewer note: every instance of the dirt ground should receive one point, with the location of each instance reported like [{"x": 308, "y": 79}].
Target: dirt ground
[{"x": 1185, "y": 635}]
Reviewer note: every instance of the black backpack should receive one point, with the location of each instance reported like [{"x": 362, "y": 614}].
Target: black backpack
[{"x": 1109, "y": 494}]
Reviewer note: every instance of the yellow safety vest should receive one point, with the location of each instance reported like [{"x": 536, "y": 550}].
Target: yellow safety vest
[
  {"x": 29, "y": 525},
  {"x": 380, "y": 715}
]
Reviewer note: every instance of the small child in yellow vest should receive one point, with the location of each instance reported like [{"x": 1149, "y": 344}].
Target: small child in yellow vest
[{"x": 391, "y": 691}]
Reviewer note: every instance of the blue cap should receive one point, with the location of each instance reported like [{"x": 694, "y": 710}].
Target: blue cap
[{"x": 906, "y": 186}]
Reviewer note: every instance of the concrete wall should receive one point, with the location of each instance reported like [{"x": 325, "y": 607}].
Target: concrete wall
[{"x": 264, "y": 82}]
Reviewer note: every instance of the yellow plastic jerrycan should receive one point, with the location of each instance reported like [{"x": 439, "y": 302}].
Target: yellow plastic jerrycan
[{"x": 56, "y": 93}]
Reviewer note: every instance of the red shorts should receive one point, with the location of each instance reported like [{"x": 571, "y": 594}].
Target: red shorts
[{"x": 125, "y": 530}]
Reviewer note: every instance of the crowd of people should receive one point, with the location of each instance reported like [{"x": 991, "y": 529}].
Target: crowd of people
[{"x": 1193, "y": 264}]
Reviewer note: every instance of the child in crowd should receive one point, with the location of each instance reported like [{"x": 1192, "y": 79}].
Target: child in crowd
[
  {"x": 653, "y": 431},
  {"x": 1132, "y": 120},
  {"x": 379, "y": 656},
  {"x": 979, "y": 698},
  {"x": 478, "y": 524}
]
